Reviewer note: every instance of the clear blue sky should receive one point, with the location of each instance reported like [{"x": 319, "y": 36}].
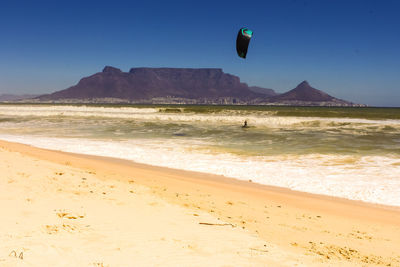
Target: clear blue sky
[{"x": 350, "y": 49}]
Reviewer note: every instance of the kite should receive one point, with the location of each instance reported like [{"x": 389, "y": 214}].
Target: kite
[{"x": 242, "y": 41}]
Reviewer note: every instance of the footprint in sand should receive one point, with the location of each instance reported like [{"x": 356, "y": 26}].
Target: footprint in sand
[
  {"x": 54, "y": 229},
  {"x": 359, "y": 235},
  {"x": 14, "y": 254},
  {"x": 69, "y": 215}
]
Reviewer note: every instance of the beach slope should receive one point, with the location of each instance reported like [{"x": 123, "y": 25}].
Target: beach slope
[{"x": 63, "y": 209}]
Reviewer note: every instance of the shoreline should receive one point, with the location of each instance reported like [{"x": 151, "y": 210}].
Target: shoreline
[
  {"x": 327, "y": 230},
  {"x": 221, "y": 179},
  {"x": 201, "y": 176}
]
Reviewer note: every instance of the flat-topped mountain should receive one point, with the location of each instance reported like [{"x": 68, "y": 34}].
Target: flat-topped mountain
[
  {"x": 183, "y": 86},
  {"x": 147, "y": 84}
]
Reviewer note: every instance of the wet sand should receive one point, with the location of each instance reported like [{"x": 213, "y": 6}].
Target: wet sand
[{"x": 159, "y": 216}]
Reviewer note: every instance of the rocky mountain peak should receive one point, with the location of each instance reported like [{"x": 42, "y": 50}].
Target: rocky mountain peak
[
  {"x": 304, "y": 92},
  {"x": 303, "y": 84},
  {"x": 109, "y": 69}
]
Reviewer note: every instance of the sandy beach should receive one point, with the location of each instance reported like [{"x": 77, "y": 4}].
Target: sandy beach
[{"x": 64, "y": 209}]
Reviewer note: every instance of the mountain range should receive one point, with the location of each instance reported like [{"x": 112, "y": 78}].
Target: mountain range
[{"x": 182, "y": 86}]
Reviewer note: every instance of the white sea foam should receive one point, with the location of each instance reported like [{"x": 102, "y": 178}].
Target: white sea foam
[
  {"x": 153, "y": 114},
  {"x": 84, "y": 111},
  {"x": 374, "y": 179}
]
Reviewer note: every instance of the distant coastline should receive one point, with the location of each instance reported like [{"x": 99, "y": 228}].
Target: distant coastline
[{"x": 180, "y": 101}]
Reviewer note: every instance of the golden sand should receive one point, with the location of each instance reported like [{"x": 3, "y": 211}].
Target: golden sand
[{"x": 64, "y": 209}]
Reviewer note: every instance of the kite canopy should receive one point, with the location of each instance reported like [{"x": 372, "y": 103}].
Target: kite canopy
[{"x": 242, "y": 41}]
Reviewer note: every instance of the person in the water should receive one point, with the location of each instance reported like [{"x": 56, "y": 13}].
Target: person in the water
[{"x": 245, "y": 124}]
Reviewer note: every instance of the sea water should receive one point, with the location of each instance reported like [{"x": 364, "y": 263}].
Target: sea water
[{"x": 352, "y": 153}]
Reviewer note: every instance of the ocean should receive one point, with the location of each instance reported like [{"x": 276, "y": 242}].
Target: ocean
[{"x": 352, "y": 153}]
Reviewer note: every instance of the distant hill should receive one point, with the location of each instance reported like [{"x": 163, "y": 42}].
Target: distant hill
[
  {"x": 13, "y": 98},
  {"x": 304, "y": 94},
  {"x": 182, "y": 86},
  {"x": 264, "y": 91}
]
